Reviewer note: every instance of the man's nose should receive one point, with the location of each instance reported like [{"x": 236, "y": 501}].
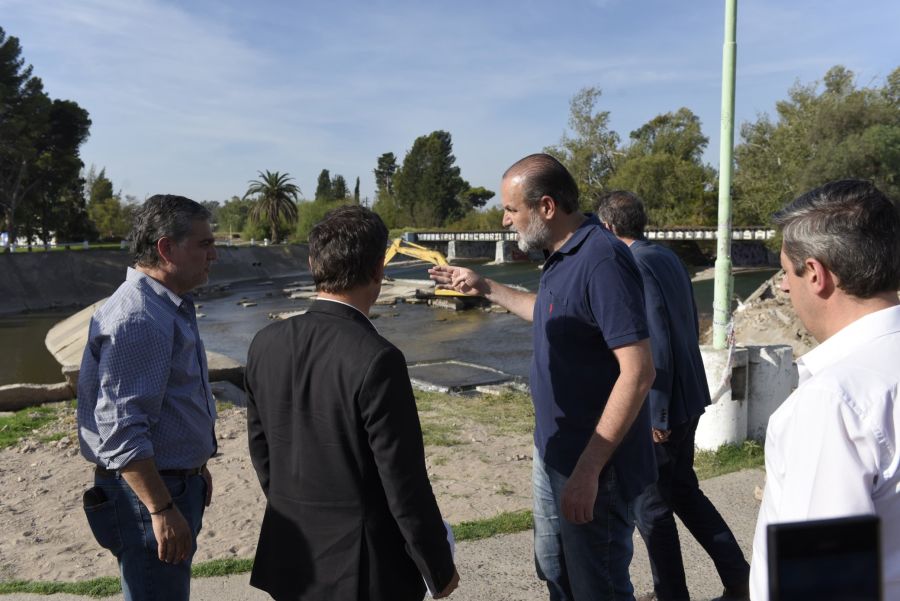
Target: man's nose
[{"x": 506, "y": 220}]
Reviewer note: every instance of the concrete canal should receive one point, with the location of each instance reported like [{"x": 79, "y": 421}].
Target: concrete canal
[{"x": 497, "y": 340}]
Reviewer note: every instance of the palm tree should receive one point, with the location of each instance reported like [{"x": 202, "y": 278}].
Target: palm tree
[{"x": 276, "y": 199}]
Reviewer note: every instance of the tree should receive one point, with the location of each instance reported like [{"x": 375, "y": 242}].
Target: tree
[
  {"x": 111, "y": 217},
  {"x": 275, "y": 200},
  {"x": 823, "y": 131},
  {"x": 475, "y": 198},
  {"x": 234, "y": 214},
  {"x": 356, "y": 191},
  {"x": 339, "y": 190},
  {"x": 384, "y": 175},
  {"x": 428, "y": 185},
  {"x": 590, "y": 153},
  {"x": 384, "y": 204},
  {"x": 39, "y": 145},
  {"x": 663, "y": 165},
  {"x": 323, "y": 186}
]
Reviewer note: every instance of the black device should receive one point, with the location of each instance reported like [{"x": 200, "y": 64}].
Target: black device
[{"x": 827, "y": 560}]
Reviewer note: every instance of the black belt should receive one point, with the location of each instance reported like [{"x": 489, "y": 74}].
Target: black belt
[{"x": 194, "y": 471}]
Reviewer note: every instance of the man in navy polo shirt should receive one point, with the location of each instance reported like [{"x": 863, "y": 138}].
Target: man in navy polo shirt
[{"x": 591, "y": 371}]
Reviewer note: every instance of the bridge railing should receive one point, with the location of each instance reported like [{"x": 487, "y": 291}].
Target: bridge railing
[
  {"x": 676, "y": 233},
  {"x": 489, "y": 236},
  {"x": 708, "y": 233}
]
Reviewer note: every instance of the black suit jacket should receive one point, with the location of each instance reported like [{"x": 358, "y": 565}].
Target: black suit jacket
[
  {"x": 337, "y": 446},
  {"x": 680, "y": 390}
]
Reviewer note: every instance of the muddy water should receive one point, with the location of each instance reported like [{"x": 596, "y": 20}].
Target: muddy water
[{"x": 498, "y": 340}]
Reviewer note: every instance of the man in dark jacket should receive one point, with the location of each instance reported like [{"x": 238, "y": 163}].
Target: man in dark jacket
[
  {"x": 336, "y": 441},
  {"x": 678, "y": 398}
]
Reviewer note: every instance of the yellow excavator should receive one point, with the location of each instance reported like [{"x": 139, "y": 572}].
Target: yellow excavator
[{"x": 417, "y": 251}]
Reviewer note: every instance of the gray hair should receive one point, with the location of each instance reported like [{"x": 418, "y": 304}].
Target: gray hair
[
  {"x": 852, "y": 228},
  {"x": 623, "y": 211},
  {"x": 163, "y": 216}
]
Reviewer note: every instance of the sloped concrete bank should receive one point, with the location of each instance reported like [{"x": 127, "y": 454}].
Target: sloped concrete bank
[{"x": 46, "y": 280}]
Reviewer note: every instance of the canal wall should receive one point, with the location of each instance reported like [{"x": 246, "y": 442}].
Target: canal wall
[{"x": 55, "y": 279}]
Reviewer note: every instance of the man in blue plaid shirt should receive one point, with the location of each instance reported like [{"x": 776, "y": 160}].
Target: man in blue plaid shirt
[{"x": 146, "y": 416}]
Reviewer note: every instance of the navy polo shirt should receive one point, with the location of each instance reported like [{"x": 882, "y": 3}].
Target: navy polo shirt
[{"x": 590, "y": 301}]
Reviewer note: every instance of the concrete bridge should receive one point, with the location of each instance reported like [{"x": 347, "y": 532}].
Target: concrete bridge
[{"x": 749, "y": 248}]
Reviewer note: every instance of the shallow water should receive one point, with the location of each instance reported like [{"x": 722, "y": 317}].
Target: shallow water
[{"x": 498, "y": 340}]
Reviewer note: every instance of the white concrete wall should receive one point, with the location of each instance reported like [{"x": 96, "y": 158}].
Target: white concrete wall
[
  {"x": 725, "y": 421},
  {"x": 747, "y": 386},
  {"x": 772, "y": 376}
]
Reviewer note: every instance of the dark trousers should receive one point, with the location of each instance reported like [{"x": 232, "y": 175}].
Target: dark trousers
[{"x": 678, "y": 491}]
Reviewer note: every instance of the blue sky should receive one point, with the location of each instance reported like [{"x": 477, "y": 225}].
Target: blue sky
[{"x": 195, "y": 97}]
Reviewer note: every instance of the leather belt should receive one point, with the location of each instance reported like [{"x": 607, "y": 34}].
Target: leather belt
[{"x": 194, "y": 471}]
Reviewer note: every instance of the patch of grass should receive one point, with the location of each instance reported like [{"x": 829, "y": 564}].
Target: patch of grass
[
  {"x": 439, "y": 433},
  {"x": 505, "y": 523},
  {"x": 98, "y": 587},
  {"x": 24, "y": 422},
  {"x": 222, "y": 406},
  {"x": 509, "y": 413},
  {"x": 728, "y": 458},
  {"x": 52, "y": 437},
  {"x": 221, "y": 567}
]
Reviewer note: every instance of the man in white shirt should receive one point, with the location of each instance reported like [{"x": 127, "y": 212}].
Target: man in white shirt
[{"x": 831, "y": 448}]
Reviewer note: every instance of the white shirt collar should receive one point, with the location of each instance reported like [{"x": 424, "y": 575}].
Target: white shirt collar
[
  {"x": 846, "y": 341},
  {"x": 332, "y": 300}
]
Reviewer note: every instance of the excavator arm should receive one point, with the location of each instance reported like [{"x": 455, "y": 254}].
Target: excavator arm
[{"x": 417, "y": 251}]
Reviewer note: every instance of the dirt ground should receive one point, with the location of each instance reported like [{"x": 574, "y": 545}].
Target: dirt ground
[{"x": 44, "y": 534}]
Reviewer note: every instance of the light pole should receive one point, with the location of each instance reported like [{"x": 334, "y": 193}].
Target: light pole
[{"x": 724, "y": 282}]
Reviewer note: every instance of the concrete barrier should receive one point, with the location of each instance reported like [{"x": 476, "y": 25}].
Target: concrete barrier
[
  {"x": 45, "y": 280},
  {"x": 19, "y": 396},
  {"x": 725, "y": 421},
  {"x": 771, "y": 377},
  {"x": 747, "y": 385}
]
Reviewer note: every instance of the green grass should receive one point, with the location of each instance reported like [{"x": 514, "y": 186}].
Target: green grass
[
  {"x": 728, "y": 458},
  {"x": 440, "y": 414},
  {"x": 505, "y": 523},
  {"x": 24, "y": 422},
  {"x": 98, "y": 587}
]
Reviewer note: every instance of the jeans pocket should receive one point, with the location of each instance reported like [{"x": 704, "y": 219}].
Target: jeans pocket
[{"x": 101, "y": 515}]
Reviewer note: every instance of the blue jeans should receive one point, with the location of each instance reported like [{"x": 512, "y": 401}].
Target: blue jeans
[
  {"x": 583, "y": 562},
  {"x": 122, "y": 524},
  {"x": 678, "y": 492}
]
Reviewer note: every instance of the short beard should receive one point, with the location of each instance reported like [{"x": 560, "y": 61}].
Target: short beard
[{"x": 535, "y": 236}]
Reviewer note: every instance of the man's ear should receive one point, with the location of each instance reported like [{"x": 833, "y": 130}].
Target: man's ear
[
  {"x": 164, "y": 247},
  {"x": 821, "y": 281},
  {"x": 547, "y": 207},
  {"x": 379, "y": 272}
]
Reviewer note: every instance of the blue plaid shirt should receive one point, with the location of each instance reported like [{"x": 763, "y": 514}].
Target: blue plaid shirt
[{"x": 143, "y": 390}]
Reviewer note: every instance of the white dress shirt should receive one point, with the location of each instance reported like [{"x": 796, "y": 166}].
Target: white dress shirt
[{"x": 831, "y": 448}]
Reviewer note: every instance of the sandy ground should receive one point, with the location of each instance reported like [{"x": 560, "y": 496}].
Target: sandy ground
[{"x": 44, "y": 534}]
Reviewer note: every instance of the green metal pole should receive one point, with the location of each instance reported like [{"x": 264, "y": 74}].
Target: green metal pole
[{"x": 724, "y": 282}]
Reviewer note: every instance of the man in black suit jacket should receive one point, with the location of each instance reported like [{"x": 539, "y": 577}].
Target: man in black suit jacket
[
  {"x": 336, "y": 442},
  {"x": 678, "y": 398}
]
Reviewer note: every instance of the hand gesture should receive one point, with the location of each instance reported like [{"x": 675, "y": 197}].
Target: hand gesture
[
  {"x": 460, "y": 279},
  {"x": 660, "y": 436}
]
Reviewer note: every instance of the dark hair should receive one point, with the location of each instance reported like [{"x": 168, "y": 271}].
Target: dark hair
[
  {"x": 545, "y": 176},
  {"x": 346, "y": 248},
  {"x": 624, "y": 211},
  {"x": 163, "y": 216},
  {"x": 852, "y": 228}
]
